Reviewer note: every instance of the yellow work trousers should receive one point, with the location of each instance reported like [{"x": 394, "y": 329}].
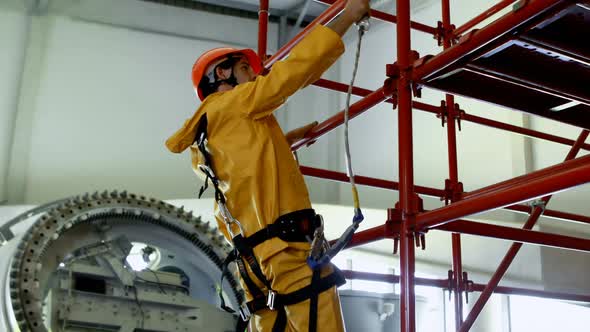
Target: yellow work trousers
[{"x": 287, "y": 272}]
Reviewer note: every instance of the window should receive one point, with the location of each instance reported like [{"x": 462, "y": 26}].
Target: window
[
  {"x": 430, "y": 316},
  {"x": 544, "y": 315}
]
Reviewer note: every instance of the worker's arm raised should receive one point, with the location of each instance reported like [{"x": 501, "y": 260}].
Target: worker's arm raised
[{"x": 305, "y": 64}]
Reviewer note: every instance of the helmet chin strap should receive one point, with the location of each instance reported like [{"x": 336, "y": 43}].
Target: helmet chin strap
[{"x": 231, "y": 80}]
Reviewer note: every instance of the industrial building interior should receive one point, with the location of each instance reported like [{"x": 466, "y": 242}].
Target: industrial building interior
[{"x": 91, "y": 89}]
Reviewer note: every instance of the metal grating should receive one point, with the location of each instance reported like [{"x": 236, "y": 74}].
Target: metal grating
[{"x": 542, "y": 68}]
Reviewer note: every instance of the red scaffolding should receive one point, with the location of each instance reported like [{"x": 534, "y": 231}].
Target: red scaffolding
[{"x": 479, "y": 55}]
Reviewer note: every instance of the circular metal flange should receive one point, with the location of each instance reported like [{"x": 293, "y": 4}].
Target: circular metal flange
[{"x": 84, "y": 220}]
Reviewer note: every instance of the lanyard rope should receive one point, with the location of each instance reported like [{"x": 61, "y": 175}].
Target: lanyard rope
[
  {"x": 362, "y": 26},
  {"x": 321, "y": 253}
]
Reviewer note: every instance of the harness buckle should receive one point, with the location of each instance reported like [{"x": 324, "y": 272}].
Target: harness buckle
[
  {"x": 270, "y": 302},
  {"x": 245, "y": 313}
]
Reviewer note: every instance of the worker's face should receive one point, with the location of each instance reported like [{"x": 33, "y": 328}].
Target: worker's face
[{"x": 243, "y": 71}]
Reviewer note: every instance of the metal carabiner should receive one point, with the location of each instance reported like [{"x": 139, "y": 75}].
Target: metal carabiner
[
  {"x": 364, "y": 24},
  {"x": 228, "y": 220}
]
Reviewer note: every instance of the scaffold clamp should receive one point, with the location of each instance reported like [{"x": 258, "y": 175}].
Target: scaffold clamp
[
  {"x": 453, "y": 191},
  {"x": 443, "y": 113},
  {"x": 396, "y": 245},
  {"x": 459, "y": 113},
  {"x": 390, "y": 89},
  {"x": 394, "y": 216},
  {"x": 466, "y": 286},
  {"x": 450, "y": 283},
  {"x": 441, "y": 34},
  {"x": 538, "y": 203},
  {"x": 420, "y": 239},
  {"x": 392, "y": 70}
]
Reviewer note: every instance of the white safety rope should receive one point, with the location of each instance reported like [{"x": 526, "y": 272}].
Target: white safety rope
[{"x": 363, "y": 26}]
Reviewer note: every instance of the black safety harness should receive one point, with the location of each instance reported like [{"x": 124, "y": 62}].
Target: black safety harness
[{"x": 299, "y": 226}]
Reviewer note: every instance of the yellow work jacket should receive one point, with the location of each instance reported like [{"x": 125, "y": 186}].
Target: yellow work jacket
[{"x": 250, "y": 154}]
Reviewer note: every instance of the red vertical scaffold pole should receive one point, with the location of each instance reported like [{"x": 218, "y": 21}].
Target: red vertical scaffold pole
[
  {"x": 262, "y": 29},
  {"x": 453, "y": 175},
  {"x": 406, "y": 169}
]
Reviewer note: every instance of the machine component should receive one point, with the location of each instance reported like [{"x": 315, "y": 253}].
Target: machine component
[
  {"x": 72, "y": 269},
  {"x": 90, "y": 297}
]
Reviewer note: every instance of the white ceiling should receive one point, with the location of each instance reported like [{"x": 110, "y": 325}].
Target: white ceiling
[
  {"x": 315, "y": 8},
  {"x": 276, "y": 4}
]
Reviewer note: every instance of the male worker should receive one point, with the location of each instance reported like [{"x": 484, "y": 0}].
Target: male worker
[{"x": 253, "y": 167}]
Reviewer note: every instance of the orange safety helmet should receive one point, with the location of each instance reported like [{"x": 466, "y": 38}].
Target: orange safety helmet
[{"x": 209, "y": 58}]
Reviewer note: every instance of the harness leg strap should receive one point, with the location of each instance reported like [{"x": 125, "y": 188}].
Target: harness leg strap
[
  {"x": 313, "y": 301},
  {"x": 280, "y": 324}
]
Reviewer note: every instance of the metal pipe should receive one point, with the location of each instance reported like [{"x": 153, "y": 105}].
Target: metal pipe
[
  {"x": 355, "y": 110},
  {"x": 446, "y": 21},
  {"x": 514, "y": 249},
  {"x": 406, "y": 158},
  {"x": 457, "y": 279},
  {"x": 431, "y": 192},
  {"x": 451, "y": 138},
  {"x": 523, "y": 236},
  {"x": 519, "y": 180},
  {"x": 406, "y": 169},
  {"x": 382, "y": 16},
  {"x": 262, "y": 29},
  {"x": 394, "y": 279},
  {"x": 453, "y": 177},
  {"x": 454, "y": 180},
  {"x": 519, "y": 130},
  {"x": 472, "y": 287},
  {"x": 552, "y": 214},
  {"x": 570, "y": 174},
  {"x": 435, "y": 109},
  {"x": 483, "y": 16},
  {"x": 407, "y": 268},
  {"x": 341, "y": 87},
  {"x": 533, "y": 292},
  {"x": 324, "y": 18},
  {"x": 369, "y": 235},
  {"x": 481, "y": 37},
  {"x": 460, "y": 226},
  {"x": 367, "y": 181}
]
